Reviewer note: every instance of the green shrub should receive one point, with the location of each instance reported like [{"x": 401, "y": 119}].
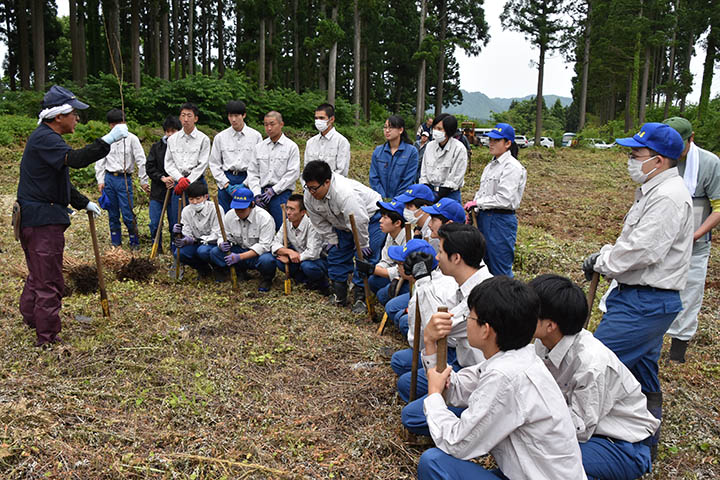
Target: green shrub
[{"x": 16, "y": 129}]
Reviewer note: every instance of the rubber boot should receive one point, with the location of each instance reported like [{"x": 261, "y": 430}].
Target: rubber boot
[
  {"x": 220, "y": 274},
  {"x": 654, "y": 406},
  {"x": 359, "y": 306},
  {"x": 339, "y": 294},
  {"x": 677, "y": 350},
  {"x": 134, "y": 242},
  {"x": 116, "y": 238}
]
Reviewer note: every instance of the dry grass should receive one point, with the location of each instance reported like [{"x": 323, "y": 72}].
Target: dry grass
[{"x": 191, "y": 380}]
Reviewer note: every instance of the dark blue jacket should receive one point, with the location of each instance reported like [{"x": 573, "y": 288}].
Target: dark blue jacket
[{"x": 391, "y": 175}]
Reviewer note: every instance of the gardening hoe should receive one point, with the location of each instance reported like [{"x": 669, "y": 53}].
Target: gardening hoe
[
  {"x": 156, "y": 243},
  {"x": 381, "y": 328},
  {"x": 441, "y": 349},
  {"x": 181, "y": 205},
  {"x": 416, "y": 350},
  {"x": 233, "y": 275},
  {"x": 98, "y": 263},
  {"x": 591, "y": 296},
  {"x": 356, "y": 237},
  {"x": 285, "y": 244}
]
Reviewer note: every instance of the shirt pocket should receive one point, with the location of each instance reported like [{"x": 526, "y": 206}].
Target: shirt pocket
[
  {"x": 328, "y": 153},
  {"x": 253, "y": 235}
]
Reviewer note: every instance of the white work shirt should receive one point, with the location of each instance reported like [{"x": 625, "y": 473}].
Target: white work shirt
[
  {"x": 345, "y": 196},
  {"x": 385, "y": 261},
  {"x": 303, "y": 239},
  {"x": 256, "y": 232},
  {"x": 123, "y": 157},
  {"x": 515, "y": 411},
  {"x": 433, "y": 291},
  {"x": 232, "y": 151},
  {"x": 444, "y": 167},
  {"x": 604, "y": 398},
  {"x": 655, "y": 244},
  {"x": 332, "y": 148},
  {"x": 201, "y": 225},
  {"x": 275, "y": 164},
  {"x": 502, "y": 183},
  {"x": 187, "y": 155}
]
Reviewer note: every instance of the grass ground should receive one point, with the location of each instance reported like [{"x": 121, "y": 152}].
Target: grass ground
[{"x": 192, "y": 381}]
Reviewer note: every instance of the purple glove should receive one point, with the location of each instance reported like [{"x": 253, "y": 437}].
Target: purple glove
[
  {"x": 268, "y": 195},
  {"x": 232, "y": 258},
  {"x": 259, "y": 200},
  {"x": 183, "y": 241},
  {"x": 177, "y": 228},
  {"x": 224, "y": 246},
  {"x": 367, "y": 251}
]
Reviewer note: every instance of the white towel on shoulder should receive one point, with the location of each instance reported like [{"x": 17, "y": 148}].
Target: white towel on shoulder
[{"x": 692, "y": 162}]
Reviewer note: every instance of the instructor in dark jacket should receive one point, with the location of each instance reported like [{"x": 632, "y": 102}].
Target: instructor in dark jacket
[{"x": 44, "y": 192}]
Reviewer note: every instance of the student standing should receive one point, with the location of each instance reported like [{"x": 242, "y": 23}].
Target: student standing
[
  {"x": 394, "y": 163},
  {"x": 160, "y": 181},
  {"x": 329, "y": 145},
  {"x": 445, "y": 160}
]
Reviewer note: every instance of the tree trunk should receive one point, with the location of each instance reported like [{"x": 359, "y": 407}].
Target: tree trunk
[
  {"x": 632, "y": 98},
  {"x": 176, "y": 40},
  {"x": 11, "y": 40},
  {"x": 112, "y": 19},
  {"x": 191, "y": 39},
  {"x": 74, "y": 40},
  {"x": 203, "y": 38},
  {"x": 269, "y": 50},
  {"x": 628, "y": 102},
  {"x": 156, "y": 38},
  {"x": 586, "y": 67},
  {"x": 332, "y": 63},
  {"x": 539, "y": 95},
  {"x": 165, "y": 42},
  {"x": 221, "y": 39},
  {"x": 24, "y": 45},
  {"x": 134, "y": 41},
  {"x": 322, "y": 60},
  {"x": 261, "y": 56},
  {"x": 644, "y": 87},
  {"x": 708, "y": 68},
  {"x": 441, "y": 60},
  {"x": 365, "y": 81},
  {"x": 420, "y": 100},
  {"x": 38, "y": 34},
  {"x": 669, "y": 90},
  {"x": 296, "y": 47},
  {"x": 356, "y": 60},
  {"x": 686, "y": 66}
]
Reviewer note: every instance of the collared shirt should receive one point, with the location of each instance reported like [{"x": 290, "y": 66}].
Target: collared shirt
[
  {"x": 444, "y": 167},
  {"x": 201, "y": 225},
  {"x": 432, "y": 291},
  {"x": 655, "y": 244},
  {"x": 385, "y": 261},
  {"x": 274, "y": 163},
  {"x": 187, "y": 155},
  {"x": 604, "y": 398},
  {"x": 232, "y": 151},
  {"x": 515, "y": 411},
  {"x": 345, "y": 196},
  {"x": 256, "y": 232},
  {"x": 122, "y": 157},
  {"x": 332, "y": 148},
  {"x": 392, "y": 173},
  {"x": 707, "y": 188},
  {"x": 502, "y": 183},
  {"x": 304, "y": 239}
]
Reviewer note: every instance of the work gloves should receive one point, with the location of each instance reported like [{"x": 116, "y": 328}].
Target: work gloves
[
  {"x": 588, "y": 265},
  {"x": 444, "y": 192},
  {"x": 117, "y": 133},
  {"x": 418, "y": 264},
  {"x": 182, "y": 184},
  {"x": 232, "y": 258},
  {"x": 364, "y": 268},
  {"x": 417, "y": 233},
  {"x": 267, "y": 196},
  {"x": 177, "y": 228},
  {"x": 234, "y": 186},
  {"x": 94, "y": 208},
  {"x": 470, "y": 205},
  {"x": 392, "y": 288},
  {"x": 184, "y": 241},
  {"x": 224, "y": 247},
  {"x": 259, "y": 200},
  {"x": 366, "y": 251}
]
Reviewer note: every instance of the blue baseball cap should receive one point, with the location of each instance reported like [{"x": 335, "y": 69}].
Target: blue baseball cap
[
  {"x": 104, "y": 201},
  {"x": 393, "y": 205},
  {"x": 448, "y": 208},
  {"x": 242, "y": 198},
  {"x": 502, "y": 130},
  {"x": 662, "y": 138},
  {"x": 418, "y": 190},
  {"x": 57, "y": 96},
  {"x": 399, "y": 253}
]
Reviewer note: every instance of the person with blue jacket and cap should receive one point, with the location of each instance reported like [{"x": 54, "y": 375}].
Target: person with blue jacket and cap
[
  {"x": 44, "y": 192},
  {"x": 649, "y": 261}
]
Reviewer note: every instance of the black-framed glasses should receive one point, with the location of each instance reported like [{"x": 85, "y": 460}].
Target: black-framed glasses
[{"x": 311, "y": 189}]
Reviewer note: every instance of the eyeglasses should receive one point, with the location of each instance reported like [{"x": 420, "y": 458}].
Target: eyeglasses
[
  {"x": 312, "y": 189},
  {"x": 389, "y": 127}
]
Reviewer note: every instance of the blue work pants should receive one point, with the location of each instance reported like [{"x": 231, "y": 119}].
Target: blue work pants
[
  {"x": 435, "y": 464},
  {"x": 120, "y": 199},
  {"x": 610, "y": 459},
  {"x": 500, "y": 232},
  {"x": 225, "y": 197},
  {"x": 265, "y": 263},
  {"x": 197, "y": 256},
  {"x": 340, "y": 258}
]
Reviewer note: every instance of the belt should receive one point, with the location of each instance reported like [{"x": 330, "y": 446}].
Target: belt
[
  {"x": 236, "y": 172},
  {"x": 118, "y": 174},
  {"x": 498, "y": 210},
  {"x": 624, "y": 286}
]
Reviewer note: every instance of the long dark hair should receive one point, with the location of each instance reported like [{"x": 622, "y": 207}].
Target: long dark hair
[
  {"x": 396, "y": 121},
  {"x": 515, "y": 150}
]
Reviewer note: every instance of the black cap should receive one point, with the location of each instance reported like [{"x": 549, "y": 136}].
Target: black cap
[{"x": 57, "y": 96}]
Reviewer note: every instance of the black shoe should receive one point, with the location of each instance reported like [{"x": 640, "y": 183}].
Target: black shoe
[
  {"x": 677, "y": 350},
  {"x": 338, "y": 297},
  {"x": 359, "y": 306},
  {"x": 220, "y": 274},
  {"x": 265, "y": 285}
]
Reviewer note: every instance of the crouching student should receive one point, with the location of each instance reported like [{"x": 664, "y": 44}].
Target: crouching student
[
  {"x": 383, "y": 276},
  {"x": 199, "y": 230},
  {"x": 515, "y": 410},
  {"x": 250, "y": 232},
  {"x": 304, "y": 247},
  {"x": 612, "y": 422}
]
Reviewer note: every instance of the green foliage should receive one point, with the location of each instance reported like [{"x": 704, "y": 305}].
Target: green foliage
[
  {"x": 521, "y": 115},
  {"x": 15, "y": 129}
]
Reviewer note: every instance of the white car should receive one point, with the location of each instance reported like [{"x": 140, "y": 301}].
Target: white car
[
  {"x": 522, "y": 141},
  {"x": 546, "y": 142},
  {"x": 599, "y": 144}
]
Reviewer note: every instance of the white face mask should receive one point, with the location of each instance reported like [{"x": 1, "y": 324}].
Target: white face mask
[
  {"x": 635, "y": 169},
  {"x": 409, "y": 215},
  {"x": 196, "y": 207},
  {"x": 321, "y": 125},
  {"x": 438, "y": 136}
]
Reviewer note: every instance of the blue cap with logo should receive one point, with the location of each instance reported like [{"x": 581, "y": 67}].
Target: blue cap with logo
[
  {"x": 502, "y": 130},
  {"x": 242, "y": 198},
  {"x": 400, "y": 252},
  {"x": 418, "y": 190},
  {"x": 57, "y": 96},
  {"x": 448, "y": 208},
  {"x": 393, "y": 205},
  {"x": 662, "y": 138}
]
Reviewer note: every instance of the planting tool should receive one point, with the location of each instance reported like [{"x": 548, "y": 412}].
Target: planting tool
[
  {"x": 98, "y": 264},
  {"x": 441, "y": 349},
  {"x": 181, "y": 205},
  {"x": 233, "y": 274},
  {"x": 591, "y": 296},
  {"x": 285, "y": 244},
  {"x": 156, "y": 243},
  {"x": 366, "y": 285}
]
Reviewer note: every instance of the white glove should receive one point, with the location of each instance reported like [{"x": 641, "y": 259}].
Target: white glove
[
  {"x": 118, "y": 132},
  {"x": 93, "y": 207}
]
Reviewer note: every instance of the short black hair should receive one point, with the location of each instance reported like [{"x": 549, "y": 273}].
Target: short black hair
[
  {"x": 296, "y": 197},
  {"x": 561, "y": 301},
  {"x": 197, "y": 189},
  {"x": 171, "y": 123},
  {"x": 327, "y": 108},
  {"x": 449, "y": 123},
  {"x": 115, "y": 115},
  {"x": 317, "y": 171},
  {"x": 190, "y": 106},
  {"x": 393, "y": 216},
  {"x": 421, "y": 202},
  {"x": 236, "y": 107},
  {"x": 465, "y": 240},
  {"x": 442, "y": 218},
  {"x": 510, "y": 307}
]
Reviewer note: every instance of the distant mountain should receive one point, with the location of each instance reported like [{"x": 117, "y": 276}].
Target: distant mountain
[{"x": 478, "y": 105}]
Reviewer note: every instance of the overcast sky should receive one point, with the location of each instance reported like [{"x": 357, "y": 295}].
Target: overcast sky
[{"x": 504, "y": 68}]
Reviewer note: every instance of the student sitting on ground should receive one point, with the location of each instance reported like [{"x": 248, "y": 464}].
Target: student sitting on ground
[
  {"x": 515, "y": 410},
  {"x": 199, "y": 230},
  {"x": 250, "y": 232},
  {"x": 612, "y": 422},
  {"x": 304, "y": 247}
]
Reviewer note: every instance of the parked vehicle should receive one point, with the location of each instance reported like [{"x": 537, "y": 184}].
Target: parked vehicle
[
  {"x": 480, "y": 134},
  {"x": 568, "y": 139},
  {"x": 522, "y": 141},
  {"x": 546, "y": 142},
  {"x": 599, "y": 144}
]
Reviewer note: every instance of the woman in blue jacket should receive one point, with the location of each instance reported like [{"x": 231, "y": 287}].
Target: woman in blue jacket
[{"x": 394, "y": 163}]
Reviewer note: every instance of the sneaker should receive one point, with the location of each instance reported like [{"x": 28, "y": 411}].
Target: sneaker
[
  {"x": 265, "y": 285},
  {"x": 359, "y": 307}
]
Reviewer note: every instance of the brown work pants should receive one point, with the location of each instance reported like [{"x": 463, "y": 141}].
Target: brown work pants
[{"x": 41, "y": 299}]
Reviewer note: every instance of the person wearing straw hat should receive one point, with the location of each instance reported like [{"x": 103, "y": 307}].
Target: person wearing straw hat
[{"x": 44, "y": 192}]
